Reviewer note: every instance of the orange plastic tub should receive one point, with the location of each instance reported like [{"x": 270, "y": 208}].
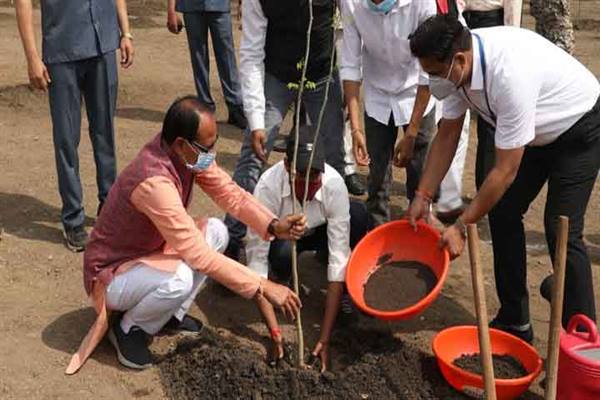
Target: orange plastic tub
[
  {"x": 452, "y": 343},
  {"x": 400, "y": 240}
]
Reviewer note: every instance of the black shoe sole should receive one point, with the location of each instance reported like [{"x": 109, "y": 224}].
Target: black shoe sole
[{"x": 124, "y": 361}]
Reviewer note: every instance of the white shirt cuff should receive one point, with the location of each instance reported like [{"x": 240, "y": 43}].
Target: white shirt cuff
[
  {"x": 256, "y": 121},
  {"x": 350, "y": 74},
  {"x": 336, "y": 274}
]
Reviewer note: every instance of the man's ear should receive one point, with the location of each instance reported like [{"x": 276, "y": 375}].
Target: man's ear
[
  {"x": 179, "y": 146},
  {"x": 461, "y": 58}
]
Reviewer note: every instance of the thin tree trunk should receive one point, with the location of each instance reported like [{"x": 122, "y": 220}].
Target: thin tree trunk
[{"x": 553, "y": 21}]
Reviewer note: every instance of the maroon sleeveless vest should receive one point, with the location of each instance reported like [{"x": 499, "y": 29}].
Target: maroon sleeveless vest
[{"x": 121, "y": 232}]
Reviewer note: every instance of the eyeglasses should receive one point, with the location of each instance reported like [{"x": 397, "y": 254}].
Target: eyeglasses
[{"x": 203, "y": 149}]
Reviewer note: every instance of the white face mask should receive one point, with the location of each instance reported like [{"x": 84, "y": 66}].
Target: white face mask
[{"x": 443, "y": 87}]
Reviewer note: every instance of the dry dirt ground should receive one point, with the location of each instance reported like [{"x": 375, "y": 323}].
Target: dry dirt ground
[{"x": 43, "y": 310}]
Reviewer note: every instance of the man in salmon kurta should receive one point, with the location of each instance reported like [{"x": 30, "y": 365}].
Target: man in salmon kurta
[{"x": 147, "y": 257}]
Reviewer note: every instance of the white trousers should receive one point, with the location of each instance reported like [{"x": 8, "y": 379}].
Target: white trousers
[
  {"x": 150, "y": 297},
  {"x": 451, "y": 187}
]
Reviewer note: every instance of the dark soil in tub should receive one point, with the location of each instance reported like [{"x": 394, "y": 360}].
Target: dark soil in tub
[
  {"x": 376, "y": 366},
  {"x": 505, "y": 366},
  {"x": 398, "y": 284}
]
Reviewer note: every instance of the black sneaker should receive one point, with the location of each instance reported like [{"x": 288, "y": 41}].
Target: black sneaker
[
  {"x": 188, "y": 324},
  {"x": 546, "y": 287},
  {"x": 76, "y": 238},
  {"x": 132, "y": 348},
  {"x": 354, "y": 185},
  {"x": 237, "y": 118},
  {"x": 524, "y": 332},
  {"x": 280, "y": 143}
]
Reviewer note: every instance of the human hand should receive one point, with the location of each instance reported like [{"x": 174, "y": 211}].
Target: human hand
[
  {"x": 291, "y": 227},
  {"x": 322, "y": 352},
  {"x": 419, "y": 208},
  {"x": 359, "y": 148},
  {"x": 126, "y": 49},
  {"x": 38, "y": 75},
  {"x": 277, "y": 350},
  {"x": 403, "y": 152},
  {"x": 454, "y": 240},
  {"x": 282, "y": 297},
  {"x": 259, "y": 137},
  {"x": 174, "y": 22}
]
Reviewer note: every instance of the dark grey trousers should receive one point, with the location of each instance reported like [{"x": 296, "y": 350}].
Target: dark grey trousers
[
  {"x": 381, "y": 140},
  {"x": 197, "y": 25},
  {"x": 95, "y": 80}
]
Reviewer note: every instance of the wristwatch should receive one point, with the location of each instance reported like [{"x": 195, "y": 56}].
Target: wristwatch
[
  {"x": 271, "y": 227},
  {"x": 127, "y": 35}
]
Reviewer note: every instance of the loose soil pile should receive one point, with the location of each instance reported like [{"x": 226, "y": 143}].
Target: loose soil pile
[
  {"x": 505, "y": 366},
  {"x": 398, "y": 284},
  {"x": 379, "y": 367}
]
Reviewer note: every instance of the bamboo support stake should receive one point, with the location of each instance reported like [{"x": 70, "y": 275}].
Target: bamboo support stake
[
  {"x": 558, "y": 290},
  {"x": 485, "y": 348},
  {"x": 299, "y": 331}
]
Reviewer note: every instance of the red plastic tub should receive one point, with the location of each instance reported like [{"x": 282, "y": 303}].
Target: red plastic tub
[
  {"x": 452, "y": 343},
  {"x": 400, "y": 240}
]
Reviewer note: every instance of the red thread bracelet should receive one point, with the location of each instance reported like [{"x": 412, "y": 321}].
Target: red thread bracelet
[{"x": 275, "y": 333}]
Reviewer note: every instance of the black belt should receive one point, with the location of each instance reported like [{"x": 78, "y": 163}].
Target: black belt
[{"x": 484, "y": 19}]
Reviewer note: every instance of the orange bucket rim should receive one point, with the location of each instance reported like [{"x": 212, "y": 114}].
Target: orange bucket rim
[
  {"x": 527, "y": 379},
  {"x": 430, "y": 296}
]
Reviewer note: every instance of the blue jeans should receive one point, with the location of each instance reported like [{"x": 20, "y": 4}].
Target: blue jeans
[
  {"x": 94, "y": 79},
  {"x": 197, "y": 25},
  {"x": 278, "y": 99}
]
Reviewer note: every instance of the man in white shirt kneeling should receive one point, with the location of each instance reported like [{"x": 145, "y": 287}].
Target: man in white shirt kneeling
[{"x": 335, "y": 224}]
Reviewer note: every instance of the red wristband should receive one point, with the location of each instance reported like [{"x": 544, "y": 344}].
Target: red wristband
[
  {"x": 275, "y": 333},
  {"x": 425, "y": 194}
]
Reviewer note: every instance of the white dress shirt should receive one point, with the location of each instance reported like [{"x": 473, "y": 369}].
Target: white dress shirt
[
  {"x": 376, "y": 50},
  {"x": 512, "y": 8},
  {"x": 331, "y": 206},
  {"x": 536, "y": 90},
  {"x": 252, "y": 62}
]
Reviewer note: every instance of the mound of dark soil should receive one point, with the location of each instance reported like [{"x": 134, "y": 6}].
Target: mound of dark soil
[
  {"x": 505, "y": 366},
  {"x": 398, "y": 284},
  {"x": 379, "y": 367}
]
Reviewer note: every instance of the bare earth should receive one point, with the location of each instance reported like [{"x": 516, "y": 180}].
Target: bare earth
[{"x": 43, "y": 310}]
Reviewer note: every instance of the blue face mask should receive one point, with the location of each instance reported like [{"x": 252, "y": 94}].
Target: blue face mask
[
  {"x": 382, "y": 8},
  {"x": 203, "y": 161}
]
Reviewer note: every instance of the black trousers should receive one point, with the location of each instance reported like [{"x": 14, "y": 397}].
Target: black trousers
[
  {"x": 381, "y": 139},
  {"x": 570, "y": 167},
  {"x": 280, "y": 252},
  {"x": 486, "y": 150}
]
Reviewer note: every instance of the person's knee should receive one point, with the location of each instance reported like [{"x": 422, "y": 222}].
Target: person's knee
[
  {"x": 180, "y": 285},
  {"x": 217, "y": 235},
  {"x": 280, "y": 258}
]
